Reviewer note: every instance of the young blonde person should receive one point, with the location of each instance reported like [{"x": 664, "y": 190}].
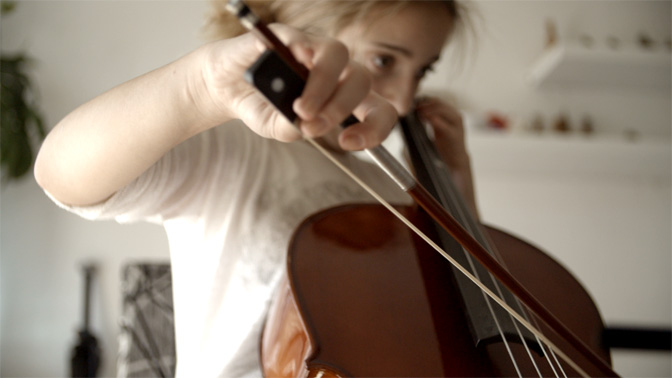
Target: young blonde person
[{"x": 193, "y": 147}]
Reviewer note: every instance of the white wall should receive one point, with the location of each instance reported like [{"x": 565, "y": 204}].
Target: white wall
[
  {"x": 80, "y": 48},
  {"x": 601, "y": 206}
]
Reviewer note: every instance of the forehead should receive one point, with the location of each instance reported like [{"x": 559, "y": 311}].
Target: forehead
[{"x": 425, "y": 25}]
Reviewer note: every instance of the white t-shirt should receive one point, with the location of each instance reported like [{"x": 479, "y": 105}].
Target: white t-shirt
[{"x": 229, "y": 201}]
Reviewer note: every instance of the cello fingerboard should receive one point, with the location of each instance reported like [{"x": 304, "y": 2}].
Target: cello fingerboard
[{"x": 489, "y": 322}]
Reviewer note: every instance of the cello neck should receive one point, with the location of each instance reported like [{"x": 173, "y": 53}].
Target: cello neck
[{"x": 435, "y": 176}]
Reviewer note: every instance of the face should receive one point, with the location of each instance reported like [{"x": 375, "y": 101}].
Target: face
[{"x": 399, "y": 49}]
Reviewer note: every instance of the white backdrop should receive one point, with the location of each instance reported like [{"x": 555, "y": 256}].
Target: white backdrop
[{"x": 601, "y": 206}]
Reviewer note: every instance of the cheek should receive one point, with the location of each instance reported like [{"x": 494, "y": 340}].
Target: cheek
[
  {"x": 384, "y": 87},
  {"x": 400, "y": 93}
]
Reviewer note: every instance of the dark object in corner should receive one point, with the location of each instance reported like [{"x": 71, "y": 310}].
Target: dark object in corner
[
  {"x": 86, "y": 354},
  {"x": 637, "y": 338}
]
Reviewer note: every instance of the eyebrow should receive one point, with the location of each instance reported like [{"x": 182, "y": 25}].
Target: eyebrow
[{"x": 401, "y": 50}]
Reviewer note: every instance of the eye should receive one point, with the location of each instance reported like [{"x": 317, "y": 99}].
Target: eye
[{"x": 383, "y": 62}]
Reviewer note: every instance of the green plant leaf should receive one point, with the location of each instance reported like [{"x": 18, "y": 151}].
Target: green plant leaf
[{"x": 22, "y": 124}]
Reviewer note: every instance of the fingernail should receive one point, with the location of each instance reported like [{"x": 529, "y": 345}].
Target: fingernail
[
  {"x": 353, "y": 142},
  {"x": 306, "y": 55},
  {"x": 304, "y": 107}
]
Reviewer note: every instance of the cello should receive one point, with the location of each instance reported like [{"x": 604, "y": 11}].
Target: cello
[
  {"x": 364, "y": 296},
  {"x": 348, "y": 295}
]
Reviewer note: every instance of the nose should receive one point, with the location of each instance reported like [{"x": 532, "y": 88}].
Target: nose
[{"x": 401, "y": 95}]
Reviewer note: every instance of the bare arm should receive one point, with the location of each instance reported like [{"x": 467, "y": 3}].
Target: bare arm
[{"x": 107, "y": 142}]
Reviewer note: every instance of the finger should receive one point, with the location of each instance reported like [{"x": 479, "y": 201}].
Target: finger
[
  {"x": 329, "y": 59},
  {"x": 378, "y": 118},
  {"x": 429, "y": 107},
  {"x": 354, "y": 87},
  {"x": 445, "y": 130}
]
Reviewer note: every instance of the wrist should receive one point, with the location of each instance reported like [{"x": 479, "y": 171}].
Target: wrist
[
  {"x": 209, "y": 106},
  {"x": 212, "y": 110}
]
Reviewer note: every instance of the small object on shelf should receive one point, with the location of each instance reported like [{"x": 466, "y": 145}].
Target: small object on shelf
[
  {"x": 497, "y": 122},
  {"x": 561, "y": 124},
  {"x": 645, "y": 41},
  {"x": 551, "y": 33},
  {"x": 587, "y": 125}
]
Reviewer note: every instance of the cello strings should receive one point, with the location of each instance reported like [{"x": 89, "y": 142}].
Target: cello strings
[
  {"x": 562, "y": 370},
  {"x": 439, "y": 179},
  {"x": 458, "y": 207},
  {"x": 457, "y": 265},
  {"x": 550, "y": 362},
  {"x": 501, "y": 295},
  {"x": 434, "y": 178},
  {"x": 521, "y": 307},
  {"x": 547, "y": 354},
  {"x": 494, "y": 317},
  {"x": 475, "y": 230}
]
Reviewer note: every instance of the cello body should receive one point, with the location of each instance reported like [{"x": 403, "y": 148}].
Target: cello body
[{"x": 365, "y": 297}]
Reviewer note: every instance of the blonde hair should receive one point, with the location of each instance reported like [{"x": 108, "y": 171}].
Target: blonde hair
[
  {"x": 329, "y": 17},
  {"x": 321, "y": 17}
]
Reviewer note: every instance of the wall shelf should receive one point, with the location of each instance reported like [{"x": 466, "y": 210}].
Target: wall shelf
[
  {"x": 599, "y": 157},
  {"x": 567, "y": 65}
]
